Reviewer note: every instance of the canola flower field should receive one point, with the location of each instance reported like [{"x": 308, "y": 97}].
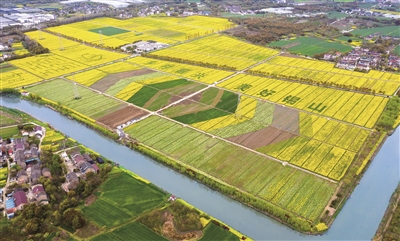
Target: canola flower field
[
  {"x": 219, "y": 50},
  {"x": 325, "y": 72},
  {"x": 114, "y": 32},
  {"x": 272, "y": 132}
]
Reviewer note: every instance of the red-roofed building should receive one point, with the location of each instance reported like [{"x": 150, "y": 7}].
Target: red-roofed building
[
  {"x": 20, "y": 199},
  {"x": 95, "y": 167}
]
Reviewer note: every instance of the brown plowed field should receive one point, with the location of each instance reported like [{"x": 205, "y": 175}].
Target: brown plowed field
[
  {"x": 108, "y": 81},
  {"x": 121, "y": 116},
  {"x": 263, "y": 137}
]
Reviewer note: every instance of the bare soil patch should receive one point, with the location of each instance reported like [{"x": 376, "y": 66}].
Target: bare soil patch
[
  {"x": 291, "y": 45},
  {"x": 291, "y": 55},
  {"x": 5, "y": 39},
  {"x": 111, "y": 79},
  {"x": 263, "y": 137},
  {"x": 91, "y": 199},
  {"x": 88, "y": 230},
  {"x": 171, "y": 233},
  {"x": 286, "y": 119},
  {"x": 121, "y": 116}
]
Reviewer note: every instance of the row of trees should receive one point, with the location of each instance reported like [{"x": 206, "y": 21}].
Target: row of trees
[
  {"x": 192, "y": 62},
  {"x": 390, "y": 114},
  {"x": 266, "y": 30},
  {"x": 316, "y": 82}
]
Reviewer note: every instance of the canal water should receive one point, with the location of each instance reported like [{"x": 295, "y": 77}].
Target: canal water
[{"x": 358, "y": 219}]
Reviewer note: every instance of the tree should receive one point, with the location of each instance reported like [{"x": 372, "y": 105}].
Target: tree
[
  {"x": 32, "y": 226},
  {"x": 74, "y": 218}
]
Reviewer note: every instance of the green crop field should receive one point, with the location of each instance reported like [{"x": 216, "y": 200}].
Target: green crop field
[
  {"x": 236, "y": 166},
  {"x": 155, "y": 96},
  {"x": 389, "y": 30},
  {"x": 214, "y": 232},
  {"x": 90, "y": 103},
  {"x": 9, "y": 131},
  {"x": 336, "y": 15},
  {"x": 310, "y": 46},
  {"x": 397, "y": 50},
  {"x": 153, "y": 91},
  {"x": 136, "y": 231},
  {"x": 5, "y": 121},
  {"x": 4, "y": 67},
  {"x": 123, "y": 198},
  {"x": 109, "y": 31}
]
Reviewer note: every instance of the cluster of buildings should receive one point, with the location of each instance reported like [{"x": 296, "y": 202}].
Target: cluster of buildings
[
  {"x": 237, "y": 10},
  {"x": 332, "y": 56},
  {"x": 150, "y": 11},
  {"x": 84, "y": 8},
  {"x": 360, "y": 58},
  {"x": 26, "y": 156},
  {"x": 375, "y": 36},
  {"x": 158, "y": 9},
  {"x": 362, "y": 12},
  {"x": 365, "y": 59},
  {"x": 143, "y": 46},
  {"x": 393, "y": 61},
  {"x": 78, "y": 166},
  {"x": 26, "y": 17}
]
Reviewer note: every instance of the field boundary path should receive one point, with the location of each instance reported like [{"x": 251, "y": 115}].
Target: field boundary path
[{"x": 248, "y": 149}]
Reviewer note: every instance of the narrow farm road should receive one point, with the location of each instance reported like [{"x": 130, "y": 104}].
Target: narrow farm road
[{"x": 248, "y": 149}]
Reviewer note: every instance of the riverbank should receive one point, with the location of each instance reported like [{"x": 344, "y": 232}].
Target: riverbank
[{"x": 389, "y": 227}]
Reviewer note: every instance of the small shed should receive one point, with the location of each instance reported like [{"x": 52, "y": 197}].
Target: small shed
[{"x": 100, "y": 160}]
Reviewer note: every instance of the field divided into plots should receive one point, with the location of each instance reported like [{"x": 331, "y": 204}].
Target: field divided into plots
[
  {"x": 197, "y": 73},
  {"x": 289, "y": 188},
  {"x": 117, "y": 70},
  {"x": 316, "y": 71},
  {"x": 114, "y": 207},
  {"x": 90, "y": 103},
  {"x": 217, "y": 50},
  {"x": 315, "y": 143},
  {"x": 310, "y": 46},
  {"x": 356, "y": 108},
  {"x": 117, "y": 32},
  {"x": 66, "y": 56}
]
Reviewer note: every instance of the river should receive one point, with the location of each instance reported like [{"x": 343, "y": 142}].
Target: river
[{"x": 358, "y": 219}]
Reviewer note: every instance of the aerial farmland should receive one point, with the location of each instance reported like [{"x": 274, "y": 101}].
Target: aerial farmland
[{"x": 283, "y": 134}]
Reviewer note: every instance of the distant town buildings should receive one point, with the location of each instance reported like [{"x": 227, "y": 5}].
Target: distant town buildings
[
  {"x": 365, "y": 59},
  {"x": 26, "y": 17}
]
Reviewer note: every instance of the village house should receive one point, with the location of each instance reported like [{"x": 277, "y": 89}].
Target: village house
[
  {"x": 85, "y": 167},
  {"x": 19, "y": 198},
  {"x": 22, "y": 177},
  {"x": 40, "y": 194},
  {"x": 38, "y": 131},
  {"x": 72, "y": 180},
  {"x": 36, "y": 173},
  {"x": 19, "y": 158},
  {"x": 46, "y": 172},
  {"x": 88, "y": 158},
  {"x": 77, "y": 158}
]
